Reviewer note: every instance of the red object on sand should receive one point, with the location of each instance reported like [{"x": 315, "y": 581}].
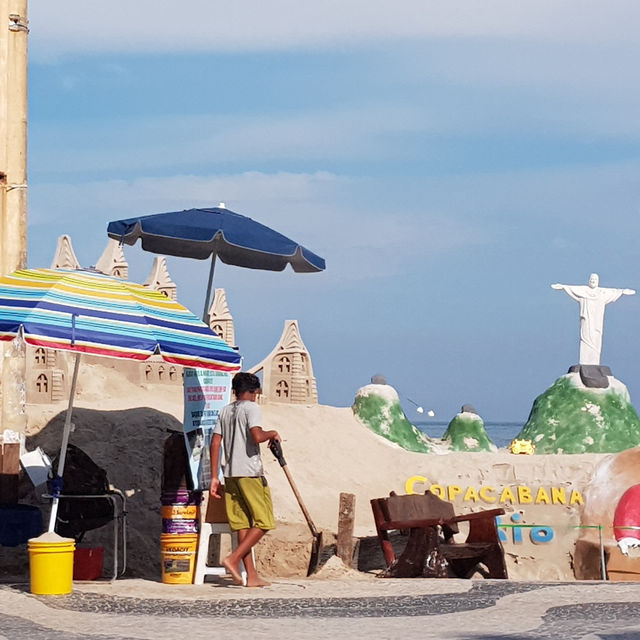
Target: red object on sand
[
  {"x": 627, "y": 514},
  {"x": 87, "y": 563}
]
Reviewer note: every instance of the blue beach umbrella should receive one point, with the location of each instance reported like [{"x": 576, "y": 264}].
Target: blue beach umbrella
[
  {"x": 219, "y": 233},
  {"x": 89, "y": 312}
]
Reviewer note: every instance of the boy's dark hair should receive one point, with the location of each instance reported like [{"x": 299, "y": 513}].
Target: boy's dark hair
[{"x": 244, "y": 381}]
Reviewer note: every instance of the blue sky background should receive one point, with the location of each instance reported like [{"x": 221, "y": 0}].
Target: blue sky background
[{"x": 449, "y": 160}]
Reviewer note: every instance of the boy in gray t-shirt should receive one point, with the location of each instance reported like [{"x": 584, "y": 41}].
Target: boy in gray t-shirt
[{"x": 247, "y": 496}]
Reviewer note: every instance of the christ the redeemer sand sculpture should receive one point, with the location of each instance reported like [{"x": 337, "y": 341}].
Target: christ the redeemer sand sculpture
[{"x": 592, "y": 300}]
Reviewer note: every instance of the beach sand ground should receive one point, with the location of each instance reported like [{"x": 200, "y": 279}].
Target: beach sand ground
[{"x": 123, "y": 427}]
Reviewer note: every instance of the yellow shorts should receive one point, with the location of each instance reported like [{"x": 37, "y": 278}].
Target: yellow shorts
[{"x": 248, "y": 503}]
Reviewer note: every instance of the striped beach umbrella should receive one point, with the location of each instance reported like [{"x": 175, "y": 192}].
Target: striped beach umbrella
[{"x": 89, "y": 312}]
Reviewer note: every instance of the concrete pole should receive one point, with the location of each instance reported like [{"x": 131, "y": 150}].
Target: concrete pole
[
  {"x": 4, "y": 45},
  {"x": 14, "y": 236},
  {"x": 13, "y": 221}
]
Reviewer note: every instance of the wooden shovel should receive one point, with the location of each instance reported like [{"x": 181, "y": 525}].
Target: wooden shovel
[{"x": 316, "y": 547}]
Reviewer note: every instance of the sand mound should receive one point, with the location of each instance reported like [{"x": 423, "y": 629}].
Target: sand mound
[{"x": 123, "y": 427}]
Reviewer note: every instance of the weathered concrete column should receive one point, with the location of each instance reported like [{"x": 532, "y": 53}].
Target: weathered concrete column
[
  {"x": 14, "y": 234},
  {"x": 13, "y": 202},
  {"x": 4, "y": 44}
]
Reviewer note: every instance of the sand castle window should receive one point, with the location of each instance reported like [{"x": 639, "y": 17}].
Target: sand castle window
[
  {"x": 42, "y": 383},
  {"x": 40, "y": 356},
  {"x": 308, "y": 386},
  {"x": 218, "y": 330},
  {"x": 284, "y": 365},
  {"x": 160, "y": 372},
  {"x": 282, "y": 389},
  {"x": 172, "y": 373},
  {"x": 116, "y": 273},
  {"x": 147, "y": 372}
]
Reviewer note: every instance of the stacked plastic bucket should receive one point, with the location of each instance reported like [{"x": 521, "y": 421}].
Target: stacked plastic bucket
[{"x": 179, "y": 539}]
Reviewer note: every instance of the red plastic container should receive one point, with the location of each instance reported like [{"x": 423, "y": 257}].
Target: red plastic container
[{"x": 87, "y": 563}]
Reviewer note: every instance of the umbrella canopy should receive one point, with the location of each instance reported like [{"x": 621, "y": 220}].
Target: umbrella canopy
[
  {"x": 200, "y": 233},
  {"x": 88, "y": 312},
  {"x": 92, "y": 313},
  {"x": 217, "y": 232}
]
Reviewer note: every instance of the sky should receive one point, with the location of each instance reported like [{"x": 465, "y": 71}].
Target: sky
[{"x": 450, "y": 161}]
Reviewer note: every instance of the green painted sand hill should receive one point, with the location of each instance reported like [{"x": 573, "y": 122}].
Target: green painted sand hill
[
  {"x": 378, "y": 407},
  {"x": 571, "y": 418},
  {"x": 466, "y": 432}
]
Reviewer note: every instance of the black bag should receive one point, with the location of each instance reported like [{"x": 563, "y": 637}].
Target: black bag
[{"x": 82, "y": 476}]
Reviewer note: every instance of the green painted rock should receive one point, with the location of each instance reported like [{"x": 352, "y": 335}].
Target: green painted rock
[
  {"x": 571, "y": 418},
  {"x": 466, "y": 432},
  {"x": 378, "y": 407}
]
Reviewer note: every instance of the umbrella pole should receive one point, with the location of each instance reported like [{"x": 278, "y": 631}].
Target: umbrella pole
[
  {"x": 205, "y": 313},
  {"x": 65, "y": 441}
]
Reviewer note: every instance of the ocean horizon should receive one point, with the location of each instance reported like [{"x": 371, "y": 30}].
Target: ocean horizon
[{"x": 501, "y": 433}]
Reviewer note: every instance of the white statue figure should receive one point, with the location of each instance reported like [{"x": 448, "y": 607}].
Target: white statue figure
[{"x": 592, "y": 300}]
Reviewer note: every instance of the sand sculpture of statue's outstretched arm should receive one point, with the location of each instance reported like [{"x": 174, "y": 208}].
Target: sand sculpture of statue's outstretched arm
[{"x": 592, "y": 300}]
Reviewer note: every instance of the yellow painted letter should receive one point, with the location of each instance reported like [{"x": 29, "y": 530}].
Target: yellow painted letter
[
  {"x": 507, "y": 495},
  {"x": 409, "y": 485},
  {"x": 558, "y": 495},
  {"x": 470, "y": 494},
  {"x": 454, "y": 490},
  {"x": 542, "y": 496},
  {"x": 484, "y": 494},
  {"x": 438, "y": 489},
  {"x": 524, "y": 495},
  {"x": 576, "y": 498}
]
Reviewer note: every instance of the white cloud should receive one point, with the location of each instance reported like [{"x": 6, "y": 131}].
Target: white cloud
[{"x": 118, "y": 26}]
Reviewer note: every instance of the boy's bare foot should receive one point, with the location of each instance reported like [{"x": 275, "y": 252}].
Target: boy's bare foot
[
  {"x": 257, "y": 582},
  {"x": 232, "y": 569}
]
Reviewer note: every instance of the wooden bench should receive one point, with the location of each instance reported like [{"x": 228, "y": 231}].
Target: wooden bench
[{"x": 431, "y": 550}]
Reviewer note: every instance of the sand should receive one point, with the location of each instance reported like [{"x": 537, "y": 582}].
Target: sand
[{"x": 123, "y": 426}]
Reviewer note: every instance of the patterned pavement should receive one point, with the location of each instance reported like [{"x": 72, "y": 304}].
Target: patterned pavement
[{"x": 382, "y": 609}]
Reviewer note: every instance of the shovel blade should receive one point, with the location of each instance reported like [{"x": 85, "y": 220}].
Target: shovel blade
[{"x": 316, "y": 550}]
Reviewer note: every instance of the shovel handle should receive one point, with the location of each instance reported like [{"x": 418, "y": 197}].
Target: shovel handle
[
  {"x": 303, "y": 508},
  {"x": 276, "y": 449}
]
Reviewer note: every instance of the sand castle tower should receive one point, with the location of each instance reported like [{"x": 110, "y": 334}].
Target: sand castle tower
[
  {"x": 287, "y": 372},
  {"x": 160, "y": 280},
  {"x": 112, "y": 261},
  {"x": 45, "y": 368},
  {"x": 65, "y": 256},
  {"x": 220, "y": 318},
  {"x": 45, "y": 376}
]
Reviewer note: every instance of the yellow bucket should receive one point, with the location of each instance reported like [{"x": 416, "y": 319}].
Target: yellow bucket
[
  {"x": 178, "y": 557},
  {"x": 51, "y": 564}
]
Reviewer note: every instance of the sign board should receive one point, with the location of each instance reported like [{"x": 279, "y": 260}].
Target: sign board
[{"x": 205, "y": 393}]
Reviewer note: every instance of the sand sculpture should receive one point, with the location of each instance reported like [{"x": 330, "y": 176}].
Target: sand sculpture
[
  {"x": 160, "y": 280},
  {"x": 587, "y": 410},
  {"x": 65, "y": 256},
  {"x": 287, "y": 372},
  {"x": 592, "y": 300},
  {"x": 112, "y": 261},
  {"x": 47, "y": 369},
  {"x": 378, "y": 407},
  {"x": 466, "y": 432},
  {"x": 220, "y": 318}
]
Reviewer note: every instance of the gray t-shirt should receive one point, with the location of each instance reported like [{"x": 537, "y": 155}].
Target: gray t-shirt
[{"x": 242, "y": 454}]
